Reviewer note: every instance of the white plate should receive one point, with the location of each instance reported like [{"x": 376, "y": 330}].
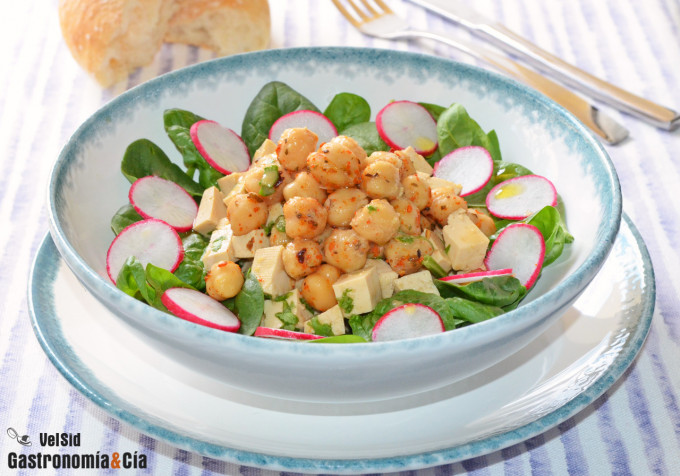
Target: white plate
[{"x": 555, "y": 376}]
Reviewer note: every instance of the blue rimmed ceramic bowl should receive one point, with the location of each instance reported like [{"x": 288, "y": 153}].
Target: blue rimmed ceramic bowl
[{"x": 87, "y": 188}]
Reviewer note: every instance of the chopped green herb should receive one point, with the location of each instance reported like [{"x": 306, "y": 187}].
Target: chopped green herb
[
  {"x": 269, "y": 180},
  {"x": 404, "y": 239},
  {"x": 371, "y": 208},
  {"x": 320, "y": 328},
  {"x": 287, "y": 317},
  {"x": 306, "y": 304},
  {"x": 280, "y": 224},
  {"x": 346, "y": 302},
  {"x": 283, "y": 297},
  {"x": 433, "y": 267},
  {"x": 447, "y": 248}
]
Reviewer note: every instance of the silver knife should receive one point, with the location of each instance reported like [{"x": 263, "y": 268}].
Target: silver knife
[{"x": 512, "y": 43}]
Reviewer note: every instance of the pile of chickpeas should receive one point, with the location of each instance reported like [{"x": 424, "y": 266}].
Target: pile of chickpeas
[{"x": 341, "y": 207}]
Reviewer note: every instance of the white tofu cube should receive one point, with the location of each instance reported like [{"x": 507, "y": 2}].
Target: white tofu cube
[
  {"x": 420, "y": 281},
  {"x": 439, "y": 254},
  {"x": 332, "y": 317},
  {"x": 362, "y": 287},
  {"x": 238, "y": 188},
  {"x": 268, "y": 147},
  {"x": 268, "y": 268},
  {"x": 466, "y": 243},
  {"x": 220, "y": 248},
  {"x": 210, "y": 211},
  {"x": 228, "y": 182},
  {"x": 436, "y": 182},
  {"x": 246, "y": 245},
  {"x": 419, "y": 162},
  {"x": 275, "y": 211},
  {"x": 386, "y": 276},
  {"x": 295, "y": 306}
]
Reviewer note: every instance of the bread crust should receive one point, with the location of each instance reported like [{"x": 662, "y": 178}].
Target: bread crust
[{"x": 112, "y": 38}]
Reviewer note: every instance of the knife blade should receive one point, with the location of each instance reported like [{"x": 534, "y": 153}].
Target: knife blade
[{"x": 512, "y": 43}]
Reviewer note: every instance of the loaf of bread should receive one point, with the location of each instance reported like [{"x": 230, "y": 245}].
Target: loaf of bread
[{"x": 111, "y": 38}]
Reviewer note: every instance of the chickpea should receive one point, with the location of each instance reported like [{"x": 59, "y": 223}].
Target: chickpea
[
  {"x": 345, "y": 249},
  {"x": 330, "y": 272},
  {"x": 405, "y": 253},
  {"x": 305, "y": 217},
  {"x": 380, "y": 179},
  {"x": 343, "y": 204},
  {"x": 377, "y": 222},
  {"x": 294, "y": 146},
  {"x": 301, "y": 257},
  {"x": 353, "y": 146},
  {"x": 224, "y": 280},
  {"x": 381, "y": 155},
  {"x": 416, "y": 190},
  {"x": 409, "y": 216},
  {"x": 254, "y": 176},
  {"x": 304, "y": 185},
  {"x": 407, "y": 167},
  {"x": 246, "y": 212},
  {"x": 444, "y": 202},
  {"x": 317, "y": 290},
  {"x": 483, "y": 221},
  {"x": 376, "y": 251},
  {"x": 425, "y": 223},
  {"x": 278, "y": 237},
  {"x": 335, "y": 166}
]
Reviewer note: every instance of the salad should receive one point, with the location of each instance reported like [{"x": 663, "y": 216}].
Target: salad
[{"x": 330, "y": 227}]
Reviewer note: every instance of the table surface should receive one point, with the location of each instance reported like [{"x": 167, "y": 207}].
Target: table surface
[{"x": 634, "y": 428}]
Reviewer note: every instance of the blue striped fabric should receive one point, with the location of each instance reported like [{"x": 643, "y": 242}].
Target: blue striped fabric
[{"x": 634, "y": 428}]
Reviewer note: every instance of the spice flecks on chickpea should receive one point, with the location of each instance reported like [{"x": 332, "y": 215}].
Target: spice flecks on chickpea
[
  {"x": 343, "y": 204},
  {"x": 444, "y": 201},
  {"x": 416, "y": 190},
  {"x": 294, "y": 146},
  {"x": 345, "y": 249},
  {"x": 483, "y": 221},
  {"x": 304, "y": 185},
  {"x": 246, "y": 212},
  {"x": 405, "y": 253},
  {"x": 409, "y": 216},
  {"x": 377, "y": 221},
  {"x": 352, "y": 145},
  {"x": 224, "y": 280},
  {"x": 380, "y": 179},
  {"x": 305, "y": 217},
  {"x": 335, "y": 166},
  {"x": 302, "y": 257}
]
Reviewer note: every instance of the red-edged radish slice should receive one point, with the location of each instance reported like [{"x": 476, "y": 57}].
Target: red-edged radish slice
[
  {"x": 155, "y": 197},
  {"x": 465, "y": 278},
  {"x": 221, "y": 147},
  {"x": 199, "y": 308},
  {"x": 312, "y": 120},
  {"x": 470, "y": 167},
  {"x": 406, "y": 123},
  {"x": 407, "y": 321},
  {"x": 284, "y": 334},
  {"x": 150, "y": 241},
  {"x": 519, "y": 197},
  {"x": 521, "y": 248}
]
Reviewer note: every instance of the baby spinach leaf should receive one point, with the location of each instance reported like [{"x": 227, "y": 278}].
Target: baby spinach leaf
[
  {"x": 455, "y": 129},
  {"x": 124, "y": 217},
  {"x": 366, "y": 135},
  {"x": 343, "y": 339},
  {"x": 435, "y": 110},
  {"x": 131, "y": 278},
  {"x": 471, "y": 311},
  {"x": 191, "y": 269},
  {"x": 346, "y": 109},
  {"x": 143, "y": 158},
  {"x": 249, "y": 304},
  {"x": 273, "y": 101},
  {"x": 178, "y": 124},
  {"x": 362, "y": 325},
  {"x": 549, "y": 222},
  {"x": 433, "y": 267},
  {"x": 499, "y": 291}
]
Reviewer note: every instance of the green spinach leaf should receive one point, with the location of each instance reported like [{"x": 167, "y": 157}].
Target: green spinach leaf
[
  {"x": 124, "y": 217},
  {"x": 435, "y": 110},
  {"x": 551, "y": 225},
  {"x": 455, "y": 129},
  {"x": 249, "y": 304},
  {"x": 273, "y": 101},
  {"x": 143, "y": 158},
  {"x": 343, "y": 339},
  {"x": 191, "y": 269},
  {"x": 346, "y": 109},
  {"x": 499, "y": 291},
  {"x": 366, "y": 135}
]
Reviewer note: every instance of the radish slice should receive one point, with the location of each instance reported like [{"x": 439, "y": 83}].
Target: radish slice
[
  {"x": 406, "y": 123},
  {"x": 312, "y": 120},
  {"x": 221, "y": 147},
  {"x": 406, "y": 321},
  {"x": 284, "y": 334},
  {"x": 519, "y": 197},
  {"x": 466, "y": 278},
  {"x": 150, "y": 241},
  {"x": 521, "y": 248},
  {"x": 470, "y": 167},
  {"x": 154, "y": 197},
  {"x": 199, "y": 308}
]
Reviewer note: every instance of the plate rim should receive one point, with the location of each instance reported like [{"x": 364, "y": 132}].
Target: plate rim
[{"x": 385, "y": 464}]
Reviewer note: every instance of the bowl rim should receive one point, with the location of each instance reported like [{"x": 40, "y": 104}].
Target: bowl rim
[{"x": 556, "y": 298}]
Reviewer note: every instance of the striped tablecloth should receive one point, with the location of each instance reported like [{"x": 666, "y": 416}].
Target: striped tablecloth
[{"x": 634, "y": 428}]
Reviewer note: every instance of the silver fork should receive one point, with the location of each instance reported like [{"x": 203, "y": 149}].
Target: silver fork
[{"x": 376, "y": 19}]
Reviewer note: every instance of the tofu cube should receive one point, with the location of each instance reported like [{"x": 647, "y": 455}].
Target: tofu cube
[
  {"x": 246, "y": 245},
  {"x": 220, "y": 247},
  {"x": 210, "y": 211},
  {"x": 228, "y": 182},
  {"x": 386, "y": 276},
  {"x": 332, "y": 317},
  {"x": 362, "y": 286},
  {"x": 275, "y": 211},
  {"x": 271, "y": 308},
  {"x": 268, "y": 147},
  {"x": 466, "y": 243},
  {"x": 419, "y": 162},
  {"x": 420, "y": 281},
  {"x": 436, "y": 182},
  {"x": 238, "y": 188},
  {"x": 268, "y": 268},
  {"x": 439, "y": 253}
]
